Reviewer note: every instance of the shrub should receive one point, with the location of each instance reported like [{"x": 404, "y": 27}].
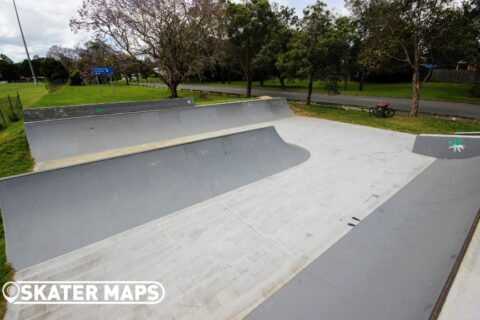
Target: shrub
[
  {"x": 75, "y": 77},
  {"x": 475, "y": 90},
  {"x": 331, "y": 85}
]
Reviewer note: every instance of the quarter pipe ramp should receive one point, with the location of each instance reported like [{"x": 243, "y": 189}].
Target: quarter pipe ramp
[
  {"x": 63, "y": 138},
  {"x": 49, "y": 213}
]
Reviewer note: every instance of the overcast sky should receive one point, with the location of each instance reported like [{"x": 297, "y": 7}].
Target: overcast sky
[{"x": 46, "y": 23}]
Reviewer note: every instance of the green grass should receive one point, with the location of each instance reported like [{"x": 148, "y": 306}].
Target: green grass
[
  {"x": 402, "y": 123},
  {"x": 29, "y": 93},
  {"x": 437, "y": 91},
  {"x": 74, "y": 95}
]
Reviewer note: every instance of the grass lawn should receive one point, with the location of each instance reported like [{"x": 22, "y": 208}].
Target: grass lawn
[
  {"x": 29, "y": 93},
  {"x": 37, "y": 96},
  {"x": 439, "y": 91},
  {"x": 402, "y": 123}
]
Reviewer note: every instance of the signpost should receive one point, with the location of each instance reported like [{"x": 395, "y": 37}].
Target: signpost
[{"x": 103, "y": 71}]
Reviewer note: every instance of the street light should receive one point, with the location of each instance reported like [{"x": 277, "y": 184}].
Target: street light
[{"x": 25, "y": 44}]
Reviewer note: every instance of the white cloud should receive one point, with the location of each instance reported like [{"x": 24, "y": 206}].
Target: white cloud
[{"x": 45, "y": 23}]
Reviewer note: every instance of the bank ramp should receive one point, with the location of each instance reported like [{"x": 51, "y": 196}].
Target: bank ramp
[{"x": 70, "y": 137}]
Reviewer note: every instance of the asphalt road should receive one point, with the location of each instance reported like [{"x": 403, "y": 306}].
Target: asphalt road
[{"x": 433, "y": 107}]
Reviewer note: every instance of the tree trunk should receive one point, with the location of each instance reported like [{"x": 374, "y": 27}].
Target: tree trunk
[
  {"x": 222, "y": 73},
  {"x": 360, "y": 83},
  {"x": 173, "y": 89},
  {"x": 310, "y": 89},
  {"x": 427, "y": 77},
  {"x": 249, "y": 86},
  {"x": 415, "y": 85},
  {"x": 345, "y": 82},
  {"x": 282, "y": 82},
  {"x": 261, "y": 82}
]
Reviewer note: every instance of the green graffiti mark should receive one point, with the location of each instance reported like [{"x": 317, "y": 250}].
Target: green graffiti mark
[
  {"x": 98, "y": 110},
  {"x": 456, "y": 145}
]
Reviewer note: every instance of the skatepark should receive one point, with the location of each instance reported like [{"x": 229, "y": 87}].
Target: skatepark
[{"x": 245, "y": 211}]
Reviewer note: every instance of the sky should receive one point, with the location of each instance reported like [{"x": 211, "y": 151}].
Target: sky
[{"x": 46, "y": 23}]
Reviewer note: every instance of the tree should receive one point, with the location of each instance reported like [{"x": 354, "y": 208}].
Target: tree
[
  {"x": 409, "y": 25},
  {"x": 67, "y": 56},
  {"x": 270, "y": 56},
  {"x": 311, "y": 51},
  {"x": 53, "y": 70},
  {"x": 249, "y": 25},
  {"x": 173, "y": 33},
  {"x": 75, "y": 77},
  {"x": 8, "y": 70}
]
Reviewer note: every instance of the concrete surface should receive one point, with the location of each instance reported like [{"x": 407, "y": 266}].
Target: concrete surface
[
  {"x": 463, "y": 301},
  {"x": 394, "y": 264},
  {"x": 222, "y": 257},
  {"x": 433, "y": 107},
  {"x": 447, "y": 146},
  {"x": 471, "y": 133},
  {"x": 57, "y": 139},
  {"x": 52, "y": 113},
  {"x": 49, "y": 213}
]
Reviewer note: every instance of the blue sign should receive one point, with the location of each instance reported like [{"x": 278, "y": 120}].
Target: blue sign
[{"x": 103, "y": 71}]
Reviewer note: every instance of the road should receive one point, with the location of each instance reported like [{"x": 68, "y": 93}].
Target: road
[{"x": 432, "y": 107}]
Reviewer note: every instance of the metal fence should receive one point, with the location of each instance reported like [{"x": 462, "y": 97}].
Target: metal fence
[{"x": 10, "y": 107}]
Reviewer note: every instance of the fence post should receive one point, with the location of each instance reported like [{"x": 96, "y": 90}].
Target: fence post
[
  {"x": 10, "y": 101},
  {"x": 3, "y": 119},
  {"x": 19, "y": 101}
]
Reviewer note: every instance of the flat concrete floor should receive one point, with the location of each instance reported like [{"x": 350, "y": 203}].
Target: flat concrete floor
[{"x": 223, "y": 257}]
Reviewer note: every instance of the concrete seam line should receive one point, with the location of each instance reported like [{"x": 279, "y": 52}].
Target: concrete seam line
[{"x": 437, "y": 309}]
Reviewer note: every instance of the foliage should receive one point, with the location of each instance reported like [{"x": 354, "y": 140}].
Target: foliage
[
  {"x": 406, "y": 31},
  {"x": 249, "y": 26},
  {"x": 175, "y": 34},
  {"x": 75, "y": 78},
  {"x": 53, "y": 70}
]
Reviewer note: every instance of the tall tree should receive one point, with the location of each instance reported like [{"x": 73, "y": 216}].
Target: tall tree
[
  {"x": 8, "y": 70},
  {"x": 310, "y": 51},
  {"x": 249, "y": 26},
  {"x": 405, "y": 26},
  {"x": 270, "y": 57},
  {"x": 173, "y": 33}
]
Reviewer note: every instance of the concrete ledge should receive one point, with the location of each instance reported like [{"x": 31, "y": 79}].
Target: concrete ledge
[{"x": 54, "y": 113}]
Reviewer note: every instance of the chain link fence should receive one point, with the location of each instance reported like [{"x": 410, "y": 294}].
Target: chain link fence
[{"x": 10, "y": 107}]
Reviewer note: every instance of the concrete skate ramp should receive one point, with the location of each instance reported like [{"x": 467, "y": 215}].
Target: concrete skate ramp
[
  {"x": 447, "y": 146},
  {"x": 56, "y": 139},
  {"x": 53, "y": 113},
  {"x": 395, "y": 263},
  {"x": 48, "y": 213}
]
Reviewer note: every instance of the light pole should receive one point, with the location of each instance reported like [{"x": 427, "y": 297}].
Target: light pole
[{"x": 25, "y": 44}]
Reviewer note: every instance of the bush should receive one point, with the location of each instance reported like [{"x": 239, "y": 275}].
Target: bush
[
  {"x": 475, "y": 90},
  {"x": 331, "y": 85},
  {"x": 14, "y": 117},
  {"x": 75, "y": 77}
]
